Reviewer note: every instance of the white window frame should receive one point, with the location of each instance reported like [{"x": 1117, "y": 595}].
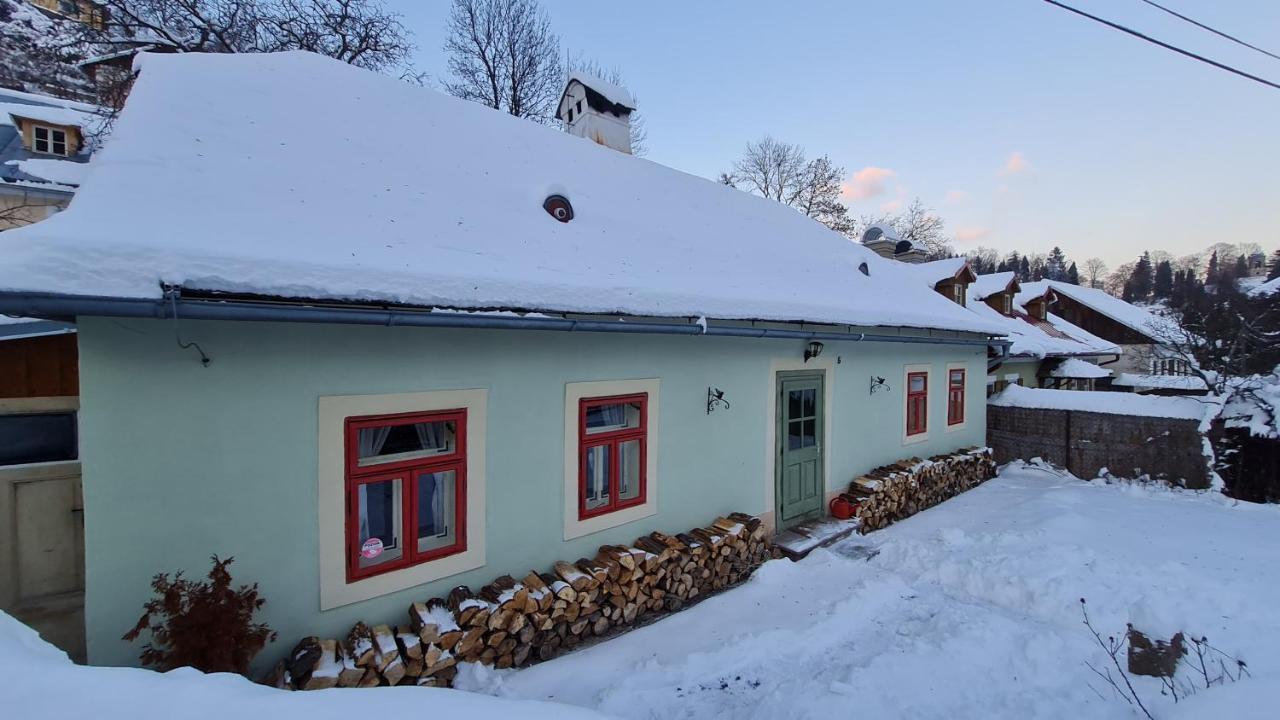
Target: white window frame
[
  {"x": 930, "y": 389},
  {"x": 573, "y": 393},
  {"x": 334, "y": 410},
  {"x": 49, "y": 141},
  {"x": 965, "y": 423}
]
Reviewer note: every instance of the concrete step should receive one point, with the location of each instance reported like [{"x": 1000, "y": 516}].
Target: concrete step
[{"x": 802, "y": 539}]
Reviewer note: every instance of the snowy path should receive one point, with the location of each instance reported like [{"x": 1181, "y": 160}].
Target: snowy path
[{"x": 968, "y": 610}]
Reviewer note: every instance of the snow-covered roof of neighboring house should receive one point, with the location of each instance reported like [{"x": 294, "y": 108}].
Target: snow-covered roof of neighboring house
[
  {"x": 211, "y": 183},
  {"x": 991, "y": 283},
  {"x": 26, "y": 170},
  {"x": 936, "y": 271},
  {"x": 1032, "y": 337},
  {"x": 1113, "y": 403},
  {"x": 613, "y": 93},
  {"x": 1127, "y": 314},
  {"x": 1077, "y": 368},
  {"x": 1159, "y": 382},
  {"x": 1267, "y": 288},
  {"x": 18, "y": 328}
]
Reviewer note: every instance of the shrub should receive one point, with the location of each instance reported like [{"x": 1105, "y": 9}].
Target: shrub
[{"x": 206, "y": 625}]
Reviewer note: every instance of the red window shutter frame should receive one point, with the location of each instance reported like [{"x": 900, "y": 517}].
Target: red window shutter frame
[
  {"x": 956, "y": 397},
  {"x": 409, "y": 471},
  {"x": 917, "y": 405},
  {"x": 613, "y": 440}
]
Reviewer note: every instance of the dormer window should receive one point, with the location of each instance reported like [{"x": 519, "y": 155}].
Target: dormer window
[
  {"x": 569, "y": 117},
  {"x": 1006, "y": 304},
  {"x": 578, "y": 107},
  {"x": 49, "y": 141},
  {"x": 958, "y": 294}
]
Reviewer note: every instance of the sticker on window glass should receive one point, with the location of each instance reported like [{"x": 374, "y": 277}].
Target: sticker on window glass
[{"x": 371, "y": 548}]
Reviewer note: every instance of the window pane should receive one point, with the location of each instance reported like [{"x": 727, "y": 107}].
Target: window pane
[
  {"x": 957, "y": 378},
  {"x": 795, "y": 433},
  {"x": 809, "y": 430},
  {"x": 613, "y": 416},
  {"x": 597, "y": 476},
  {"x": 916, "y": 383},
  {"x": 379, "y": 515},
  {"x": 629, "y": 469},
  {"x": 795, "y": 406},
  {"x": 42, "y": 134},
  {"x": 37, "y": 438},
  {"x": 808, "y": 398},
  {"x": 437, "y": 498},
  {"x": 396, "y": 443}
]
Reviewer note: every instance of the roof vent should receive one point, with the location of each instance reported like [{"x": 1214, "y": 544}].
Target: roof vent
[
  {"x": 902, "y": 246},
  {"x": 558, "y": 207}
]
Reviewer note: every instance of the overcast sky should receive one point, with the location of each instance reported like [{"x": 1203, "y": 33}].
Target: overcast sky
[{"x": 1024, "y": 125}]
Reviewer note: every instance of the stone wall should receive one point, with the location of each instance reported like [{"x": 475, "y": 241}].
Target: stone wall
[{"x": 1086, "y": 442}]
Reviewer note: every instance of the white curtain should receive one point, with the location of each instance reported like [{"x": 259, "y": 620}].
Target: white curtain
[
  {"x": 371, "y": 440},
  {"x": 433, "y": 435},
  {"x": 613, "y": 415}
]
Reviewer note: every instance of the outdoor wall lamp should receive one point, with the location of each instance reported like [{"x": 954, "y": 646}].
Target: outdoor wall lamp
[{"x": 813, "y": 350}]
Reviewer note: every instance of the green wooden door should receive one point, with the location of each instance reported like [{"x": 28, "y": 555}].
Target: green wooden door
[{"x": 799, "y": 468}]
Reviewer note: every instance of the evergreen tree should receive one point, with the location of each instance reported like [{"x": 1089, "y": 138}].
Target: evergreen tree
[
  {"x": 1242, "y": 267},
  {"x": 1055, "y": 267},
  {"x": 1073, "y": 275},
  {"x": 1140, "y": 281},
  {"x": 1163, "y": 286},
  {"x": 1211, "y": 274},
  {"x": 1024, "y": 270},
  {"x": 1275, "y": 266}
]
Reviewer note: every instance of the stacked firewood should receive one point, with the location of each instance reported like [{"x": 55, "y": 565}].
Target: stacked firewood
[
  {"x": 512, "y": 623},
  {"x": 896, "y": 491}
]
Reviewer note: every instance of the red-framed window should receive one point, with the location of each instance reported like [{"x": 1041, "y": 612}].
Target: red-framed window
[
  {"x": 406, "y": 478},
  {"x": 955, "y": 396},
  {"x": 612, "y": 453},
  {"x": 917, "y": 402}
]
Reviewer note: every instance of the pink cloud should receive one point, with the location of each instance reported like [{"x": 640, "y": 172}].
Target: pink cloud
[
  {"x": 954, "y": 196},
  {"x": 968, "y": 234},
  {"x": 891, "y": 206},
  {"x": 1016, "y": 163},
  {"x": 867, "y": 182}
]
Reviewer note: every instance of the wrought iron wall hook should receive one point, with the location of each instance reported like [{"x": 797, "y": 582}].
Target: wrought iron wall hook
[{"x": 715, "y": 398}]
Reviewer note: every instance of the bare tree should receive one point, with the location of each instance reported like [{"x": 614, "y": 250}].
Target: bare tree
[
  {"x": 20, "y": 210},
  {"x": 1094, "y": 270},
  {"x": 924, "y": 228},
  {"x": 779, "y": 171},
  {"x": 502, "y": 53},
  {"x": 1114, "y": 283},
  {"x": 612, "y": 75},
  {"x": 770, "y": 168},
  {"x": 360, "y": 32}
]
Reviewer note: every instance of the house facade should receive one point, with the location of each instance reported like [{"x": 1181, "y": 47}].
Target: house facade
[
  {"x": 511, "y": 347},
  {"x": 43, "y": 154}
]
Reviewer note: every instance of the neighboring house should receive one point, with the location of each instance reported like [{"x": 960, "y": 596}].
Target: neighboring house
[
  {"x": 43, "y": 154},
  {"x": 42, "y": 571},
  {"x": 597, "y": 110},
  {"x": 495, "y": 347},
  {"x": 91, "y": 13},
  {"x": 1147, "y": 362}
]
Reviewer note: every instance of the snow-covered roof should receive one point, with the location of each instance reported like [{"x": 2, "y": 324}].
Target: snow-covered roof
[
  {"x": 1031, "y": 337},
  {"x": 1127, "y": 314},
  {"x": 1267, "y": 288},
  {"x": 613, "y": 93},
  {"x": 1077, "y": 368},
  {"x": 1113, "y": 403},
  {"x": 990, "y": 284},
  {"x": 210, "y": 182},
  {"x": 936, "y": 271},
  {"x": 22, "y": 168},
  {"x": 1159, "y": 382}
]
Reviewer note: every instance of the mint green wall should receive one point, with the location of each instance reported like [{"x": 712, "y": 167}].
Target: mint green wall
[
  {"x": 183, "y": 461},
  {"x": 1026, "y": 369}
]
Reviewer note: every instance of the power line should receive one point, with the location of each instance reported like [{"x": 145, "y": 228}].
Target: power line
[
  {"x": 1215, "y": 31},
  {"x": 1164, "y": 45}
]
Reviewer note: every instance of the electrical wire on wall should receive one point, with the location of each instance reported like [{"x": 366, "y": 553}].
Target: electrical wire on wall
[{"x": 177, "y": 332}]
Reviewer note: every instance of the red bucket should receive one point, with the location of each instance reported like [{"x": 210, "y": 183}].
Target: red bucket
[{"x": 841, "y": 508}]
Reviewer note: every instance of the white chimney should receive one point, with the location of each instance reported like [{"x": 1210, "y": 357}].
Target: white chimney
[{"x": 597, "y": 110}]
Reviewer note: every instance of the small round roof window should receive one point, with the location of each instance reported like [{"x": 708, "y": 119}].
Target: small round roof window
[
  {"x": 862, "y": 268},
  {"x": 558, "y": 207}
]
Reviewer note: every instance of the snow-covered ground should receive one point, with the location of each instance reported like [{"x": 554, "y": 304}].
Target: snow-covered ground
[{"x": 970, "y": 609}]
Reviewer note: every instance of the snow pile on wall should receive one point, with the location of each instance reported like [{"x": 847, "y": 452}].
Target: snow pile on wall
[
  {"x": 1077, "y": 368},
  {"x": 1113, "y": 403},
  {"x": 300, "y": 176},
  {"x": 41, "y": 682},
  {"x": 1159, "y": 382}
]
